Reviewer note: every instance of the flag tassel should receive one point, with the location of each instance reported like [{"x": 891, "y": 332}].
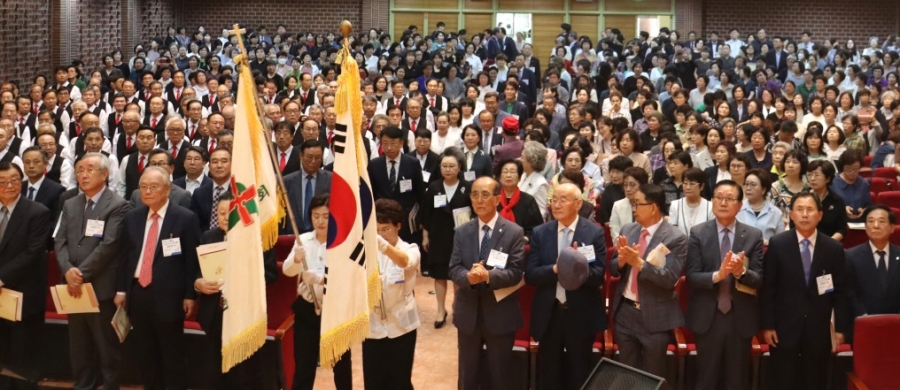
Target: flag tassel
[
  {"x": 336, "y": 341},
  {"x": 243, "y": 345}
]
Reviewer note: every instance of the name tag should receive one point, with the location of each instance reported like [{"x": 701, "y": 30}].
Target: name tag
[
  {"x": 405, "y": 185},
  {"x": 497, "y": 259},
  {"x": 394, "y": 275},
  {"x": 94, "y": 228},
  {"x": 588, "y": 252},
  {"x": 469, "y": 175},
  {"x": 825, "y": 284},
  {"x": 318, "y": 267},
  {"x": 171, "y": 247},
  {"x": 440, "y": 201},
  {"x": 425, "y": 176}
]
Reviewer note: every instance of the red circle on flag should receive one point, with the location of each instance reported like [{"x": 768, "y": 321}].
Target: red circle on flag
[{"x": 342, "y": 209}]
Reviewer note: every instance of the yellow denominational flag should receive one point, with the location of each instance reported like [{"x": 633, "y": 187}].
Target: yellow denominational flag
[
  {"x": 252, "y": 229},
  {"x": 352, "y": 284}
]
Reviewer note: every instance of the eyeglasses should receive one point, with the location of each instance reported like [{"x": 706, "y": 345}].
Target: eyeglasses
[
  {"x": 635, "y": 205},
  {"x": 12, "y": 183},
  {"x": 689, "y": 184},
  {"x": 481, "y": 195},
  {"x": 719, "y": 199},
  {"x": 89, "y": 172},
  {"x": 151, "y": 188},
  {"x": 557, "y": 201}
]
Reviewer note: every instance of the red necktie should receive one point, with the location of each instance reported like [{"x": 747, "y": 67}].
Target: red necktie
[
  {"x": 177, "y": 94},
  {"x": 365, "y": 123},
  {"x": 212, "y": 145},
  {"x": 141, "y": 165},
  {"x": 193, "y": 131},
  {"x": 127, "y": 142},
  {"x": 304, "y": 97},
  {"x": 153, "y": 122},
  {"x": 36, "y": 109},
  {"x": 77, "y": 130},
  {"x": 283, "y": 161},
  {"x": 432, "y": 102},
  {"x": 330, "y": 136},
  {"x": 212, "y": 100},
  {"x": 413, "y": 124},
  {"x": 174, "y": 151},
  {"x": 118, "y": 119},
  {"x": 146, "y": 275},
  {"x": 397, "y": 102},
  {"x": 21, "y": 120}
]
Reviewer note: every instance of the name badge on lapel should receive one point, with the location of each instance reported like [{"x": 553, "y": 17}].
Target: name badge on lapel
[
  {"x": 497, "y": 259},
  {"x": 94, "y": 228},
  {"x": 171, "y": 247},
  {"x": 825, "y": 284}
]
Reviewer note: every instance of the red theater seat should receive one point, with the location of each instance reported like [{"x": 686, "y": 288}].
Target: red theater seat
[
  {"x": 279, "y": 298},
  {"x": 888, "y": 198},
  {"x": 880, "y": 185},
  {"x": 876, "y": 353},
  {"x": 53, "y": 278},
  {"x": 886, "y": 172}
]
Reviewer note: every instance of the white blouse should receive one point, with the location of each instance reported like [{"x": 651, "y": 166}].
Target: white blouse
[
  {"x": 396, "y": 313},
  {"x": 536, "y": 185},
  {"x": 684, "y": 217},
  {"x": 315, "y": 260}
]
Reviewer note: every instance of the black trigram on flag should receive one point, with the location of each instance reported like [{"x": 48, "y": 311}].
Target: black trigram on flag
[
  {"x": 358, "y": 256},
  {"x": 339, "y": 143}
]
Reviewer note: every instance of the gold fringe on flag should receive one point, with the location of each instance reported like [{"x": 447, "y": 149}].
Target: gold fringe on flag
[
  {"x": 339, "y": 340},
  {"x": 244, "y": 345}
]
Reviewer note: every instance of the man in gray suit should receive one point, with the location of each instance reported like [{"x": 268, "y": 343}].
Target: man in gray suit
[
  {"x": 177, "y": 195},
  {"x": 645, "y": 306},
  {"x": 724, "y": 270},
  {"x": 306, "y": 183},
  {"x": 478, "y": 271},
  {"x": 87, "y": 243}
]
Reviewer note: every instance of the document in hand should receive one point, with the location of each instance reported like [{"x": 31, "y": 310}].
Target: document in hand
[
  {"x": 212, "y": 259},
  {"x": 67, "y": 304},
  {"x": 657, "y": 257},
  {"x": 121, "y": 324},
  {"x": 11, "y": 305}
]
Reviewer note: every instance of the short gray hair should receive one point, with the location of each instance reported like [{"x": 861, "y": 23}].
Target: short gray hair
[
  {"x": 781, "y": 144},
  {"x": 176, "y": 119},
  {"x": 104, "y": 161},
  {"x": 165, "y": 174},
  {"x": 536, "y": 155}
]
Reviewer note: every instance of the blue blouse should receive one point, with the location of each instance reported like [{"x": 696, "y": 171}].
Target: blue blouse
[{"x": 855, "y": 195}]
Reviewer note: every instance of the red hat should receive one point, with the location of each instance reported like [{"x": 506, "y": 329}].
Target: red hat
[{"x": 510, "y": 125}]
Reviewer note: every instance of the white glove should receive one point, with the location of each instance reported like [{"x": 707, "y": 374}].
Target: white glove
[
  {"x": 299, "y": 254},
  {"x": 382, "y": 244},
  {"x": 310, "y": 277}
]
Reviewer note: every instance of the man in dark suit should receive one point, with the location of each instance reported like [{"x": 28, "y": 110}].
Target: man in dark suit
[
  {"x": 777, "y": 58},
  {"x": 436, "y": 103},
  {"x": 177, "y": 195},
  {"x": 560, "y": 318},
  {"x": 874, "y": 266},
  {"x": 306, "y": 183},
  {"x": 492, "y": 105},
  {"x": 155, "y": 119},
  {"x": 397, "y": 176},
  {"x": 398, "y": 97},
  {"x": 87, "y": 249},
  {"x": 206, "y": 196},
  {"x": 512, "y": 104},
  {"x": 645, "y": 306},
  {"x": 491, "y": 137},
  {"x": 25, "y": 227},
  {"x": 36, "y": 187},
  {"x": 288, "y": 156},
  {"x": 306, "y": 91},
  {"x": 479, "y": 271},
  {"x": 804, "y": 281},
  {"x": 195, "y": 160},
  {"x": 532, "y": 63},
  {"x": 723, "y": 311},
  {"x": 415, "y": 118},
  {"x": 429, "y": 161},
  {"x": 174, "y": 142},
  {"x": 156, "y": 279}
]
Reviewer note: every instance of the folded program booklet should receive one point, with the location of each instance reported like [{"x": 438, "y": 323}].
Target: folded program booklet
[{"x": 67, "y": 304}]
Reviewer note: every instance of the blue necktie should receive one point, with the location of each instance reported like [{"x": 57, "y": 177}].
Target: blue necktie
[
  {"x": 307, "y": 197},
  {"x": 807, "y": 259},
  {"x": 30, "y": 193},
  {"x": 485, "y": 243},
  {"x": 393, "y": 177}
]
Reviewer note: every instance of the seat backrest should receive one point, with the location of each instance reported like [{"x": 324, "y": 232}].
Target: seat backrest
[
  {"x": 886, "y": 172},
  {"x": 880, "y": 185},
  {"x": 895, "y": 236},
  {"x": 281, "y": 294},
  {"x": 876, "y": 350},
  {"x": 889, "y": 198},
  {"x": 53, "y": 278}
]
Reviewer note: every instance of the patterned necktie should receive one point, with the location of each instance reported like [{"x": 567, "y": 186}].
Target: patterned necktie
[
  {"x": 393, "y": 177},
  {"x": 564, "y": 242},
  {"x": 882, "y": 269},
  {"x": 642, "y": 248},
  {"x": 724, "y": 298},
  {"x": 213, "y": 218},
  {"x": 307, "y": 198},
  {"x": 146, "y": 276},
  {"x": 4, "y": 220},
  {"x": 806, "y": 257},
  {"x": 485, "y": 243}
]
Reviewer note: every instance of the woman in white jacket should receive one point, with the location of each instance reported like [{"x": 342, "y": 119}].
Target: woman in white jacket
[
  {"x": 307, "y": 315},
  {"x": 388, "y": 351}
]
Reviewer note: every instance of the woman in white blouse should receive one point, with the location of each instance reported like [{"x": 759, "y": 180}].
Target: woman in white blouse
[
  {"x": 621, "y": 211},
  {"x": 445, "y": 136},
  {"x": 534, "y": 159},
  {"x": 307, "y": 315},
  {"x": 389, "y": 349},
  {"x": 692, "y": 209}
]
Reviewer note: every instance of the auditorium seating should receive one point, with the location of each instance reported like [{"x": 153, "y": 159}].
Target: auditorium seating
[
  {"x": 880, "y": 185},
  {"x": 877, "y": 353},
  {"x": 886, "y": 172}
]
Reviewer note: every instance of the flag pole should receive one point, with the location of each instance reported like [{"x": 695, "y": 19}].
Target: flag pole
[{"x": 281, "y": 193}]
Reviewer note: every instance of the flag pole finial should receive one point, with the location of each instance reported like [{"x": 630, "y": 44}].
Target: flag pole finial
[{"x": 346, "y": 29}]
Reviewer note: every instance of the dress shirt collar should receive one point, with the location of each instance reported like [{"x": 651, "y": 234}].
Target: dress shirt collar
[
  {"x": 12, "y": 205},
  {"x": 560, "y": 226},
  {"x": 287, "y": 153},
  {"x": 886, "y": 249},
  {"x": 811, "y": 238},
  {"x": 653, "y": 228},
  {"x": 161, "y": 212},
  {"x": 731, "y": 227},
  {"x": 490, "y": 223},
  {"x": 96, "y": 197}
]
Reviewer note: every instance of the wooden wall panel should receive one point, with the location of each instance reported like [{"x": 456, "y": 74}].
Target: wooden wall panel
[
  {"x": 592, "y": 5},
  {"x": 546, "y": 28},
  {"x": 477, "y": 22},
  {"x": 451, "y": 22},
  {"x": 428, "y": 4},
  {"x": 402, "y": 20},
  {"x": 644, "y": 6},
  {"x": 529, "y": 5},
  {"x": 478, "y": 4},
  {"x": 586, "y": 25},
  {"x": 625, "y": 23}
]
